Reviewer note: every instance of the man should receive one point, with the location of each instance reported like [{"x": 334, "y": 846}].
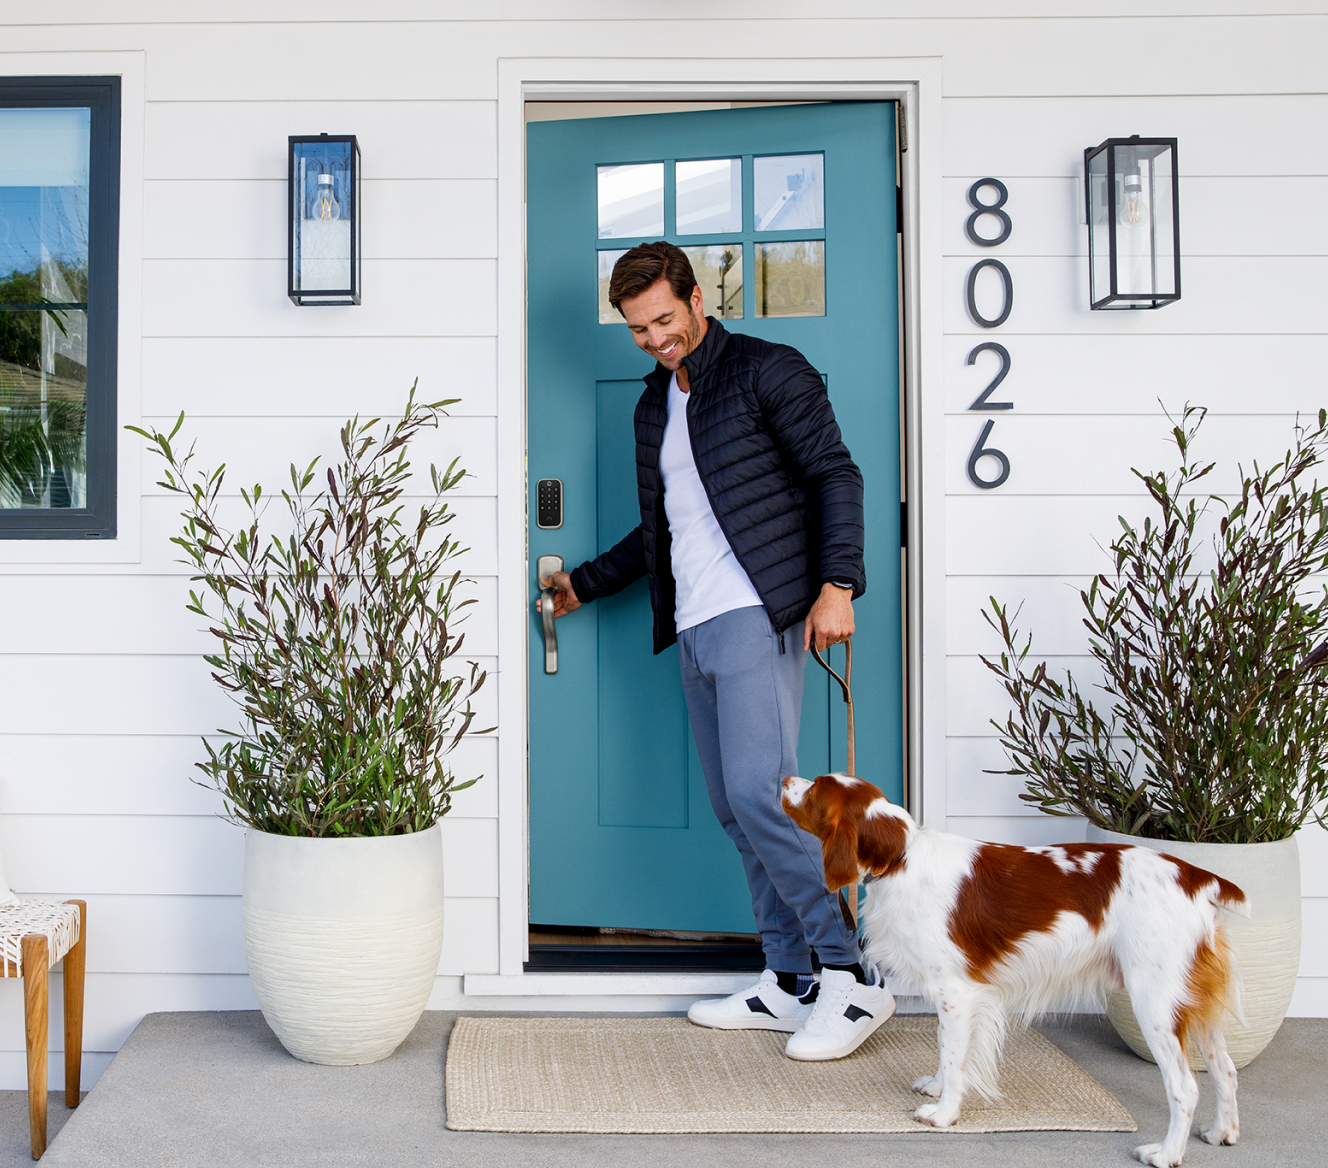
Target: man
[{"x": 751, "y": 526}]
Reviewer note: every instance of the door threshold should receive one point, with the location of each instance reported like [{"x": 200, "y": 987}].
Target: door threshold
[
  {"x": 601, "y": 985},
  {"x": 701, "y": 958}
]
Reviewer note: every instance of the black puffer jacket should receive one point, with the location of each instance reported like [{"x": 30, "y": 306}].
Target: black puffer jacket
[{"x": 784, "y": 489}]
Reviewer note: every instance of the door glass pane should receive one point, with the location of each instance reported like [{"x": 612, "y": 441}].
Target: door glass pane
[
  {"x": 790, "y": 278},
  {"x": 790, "y": 192},
  {"x": 718, "y": 270},
  {"x": 631, "y": 200},
  {"x": 44, "y": 159},
  {"x": 607, "y": 313},
  {"x": 709, "y": 196}
]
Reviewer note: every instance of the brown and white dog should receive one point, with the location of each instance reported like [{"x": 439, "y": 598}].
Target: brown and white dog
[{"x": 990, "y": 931}]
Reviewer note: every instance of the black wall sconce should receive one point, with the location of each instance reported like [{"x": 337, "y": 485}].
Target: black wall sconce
[
  {"x": 323, "y": 254},
  {"x": 1132, "y": 194}
]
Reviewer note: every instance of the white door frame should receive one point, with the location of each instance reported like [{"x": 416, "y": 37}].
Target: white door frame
[{"x": 916, "y": 83}]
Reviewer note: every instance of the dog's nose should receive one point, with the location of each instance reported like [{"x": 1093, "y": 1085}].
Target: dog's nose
[{"x": 794, "y": 788}]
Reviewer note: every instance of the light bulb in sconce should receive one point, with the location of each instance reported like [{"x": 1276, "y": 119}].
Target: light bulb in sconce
[
  {"x": 324, "y": 204},
  {"x": 1134, "y": 207}
]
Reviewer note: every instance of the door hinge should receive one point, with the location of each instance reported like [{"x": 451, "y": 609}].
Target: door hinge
[
  {"x": 903, "y": 524},
  {"x": 903, "y": 128}
]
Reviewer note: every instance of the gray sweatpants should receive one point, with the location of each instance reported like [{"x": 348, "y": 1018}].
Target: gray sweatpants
[{"x": 744, "y": 698}]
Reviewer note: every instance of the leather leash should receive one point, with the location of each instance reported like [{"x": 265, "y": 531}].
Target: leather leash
[{"x": 848, "y": 896}]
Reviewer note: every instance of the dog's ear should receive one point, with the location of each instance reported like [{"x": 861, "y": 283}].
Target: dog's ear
[
  {"x": 839, "y": 852},
  {"x": 881, "y": 843}
]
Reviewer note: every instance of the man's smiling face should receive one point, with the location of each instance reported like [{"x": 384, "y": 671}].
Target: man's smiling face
[{"x": 664, "y": 326}]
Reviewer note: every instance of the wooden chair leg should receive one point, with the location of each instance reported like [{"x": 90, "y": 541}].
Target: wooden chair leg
[
  {"x": 36, "y": 1005},
  {"x": 75, "y": 964}
]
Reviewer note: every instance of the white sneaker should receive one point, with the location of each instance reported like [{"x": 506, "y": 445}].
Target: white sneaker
[
  {"x": 763, "y": 1006},
  {"x": 845, "y": 1014}
]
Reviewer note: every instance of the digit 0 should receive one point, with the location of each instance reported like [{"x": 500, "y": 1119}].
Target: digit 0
[
  {"x": 971, "y": 227},
  {"x": 1007, "y": 301}
]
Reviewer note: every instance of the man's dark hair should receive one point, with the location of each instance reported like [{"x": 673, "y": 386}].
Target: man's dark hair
[{"x": 645, "y": 266}]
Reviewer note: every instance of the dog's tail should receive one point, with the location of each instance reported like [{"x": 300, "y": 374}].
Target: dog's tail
[
  {"x": 1227, "y": 895},
  {"x": 1213, "y": 989},
  {"x": 982, "y": 1067}
]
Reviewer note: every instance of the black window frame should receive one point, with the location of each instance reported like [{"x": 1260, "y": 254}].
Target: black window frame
[{"x": 102, "y": 96}]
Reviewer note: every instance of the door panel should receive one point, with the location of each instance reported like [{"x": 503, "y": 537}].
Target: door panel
[{"x": 790, "y": 218}]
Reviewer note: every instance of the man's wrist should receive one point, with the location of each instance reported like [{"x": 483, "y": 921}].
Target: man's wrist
[{"x": 846, "y": 586}]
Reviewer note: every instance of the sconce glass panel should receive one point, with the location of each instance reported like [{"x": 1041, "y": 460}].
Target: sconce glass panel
[
  {"x": 324, "y": 252},
  {"x": 1132, "y": 195}
]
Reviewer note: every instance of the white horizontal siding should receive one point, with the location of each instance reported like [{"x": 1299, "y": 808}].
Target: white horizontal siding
[
  {"x": 254, "y": 454},
  {"x": 1046, "y": 214},
  {"x": 247, "y": 298},
  {"x": 245, "y": 219},
  {"x": 1285, "y": 294},
  {"x": 1036, "y": 136},
  {"x": 1077, "y": 454},
  {"x": 257, "y": 377},
  {"x": 474, "y": 528},
  {"x": 247, "y": 139},
  {"x": 147, "y": 775},
  {"x": 447, "y": 52},
  {"x": 128, "y": 695},
  {"x": 1072, "y": 375},
  {"x": 150, "y": 616}
]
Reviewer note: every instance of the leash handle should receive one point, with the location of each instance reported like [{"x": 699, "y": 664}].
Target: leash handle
[
  {"x": 848, "y": 904},
  {"x": 845, "y": 686}
]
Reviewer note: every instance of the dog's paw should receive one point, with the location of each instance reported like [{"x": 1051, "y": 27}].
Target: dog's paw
[
  {"x": 936, "y": 1115},
  {"x": 1220, "y": 1135},
  {"x": 928, "y": 1085},
  {"x": 1153, "y": 1154}
]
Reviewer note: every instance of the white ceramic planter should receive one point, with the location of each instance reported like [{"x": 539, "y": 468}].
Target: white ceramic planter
[
  {"x": 343, "y": 937},
  {"x": 1267, "y": 945}
]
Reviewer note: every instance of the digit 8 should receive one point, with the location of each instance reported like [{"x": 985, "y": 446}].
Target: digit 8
[{"x": 971, "y": 227}]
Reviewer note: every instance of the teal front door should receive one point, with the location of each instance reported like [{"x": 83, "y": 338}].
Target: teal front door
[{"x": 788, "y": 215}]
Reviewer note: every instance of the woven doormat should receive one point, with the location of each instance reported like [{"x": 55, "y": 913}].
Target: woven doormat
[{"x": 651, "y": 1075}]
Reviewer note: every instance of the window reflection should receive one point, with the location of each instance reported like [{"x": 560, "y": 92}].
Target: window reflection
[
  {"x": 789, "y": 192},
  {"x": 718, "y": 271},
  {"x": 44, "y": 160},
  {"x": 607, "y": 313},
  {"x": 790, "y": 278},
  {"x": 709, "y": 196},
  {"x": 631, "y": 200}
]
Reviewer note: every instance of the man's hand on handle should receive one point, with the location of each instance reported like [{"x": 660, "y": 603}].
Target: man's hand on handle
[
  {"x": 564, "y": 599},
  {"x": 830, "y": 621}
]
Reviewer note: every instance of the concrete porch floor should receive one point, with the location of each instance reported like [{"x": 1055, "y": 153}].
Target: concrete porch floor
[{"x": 216, "y": 1089}]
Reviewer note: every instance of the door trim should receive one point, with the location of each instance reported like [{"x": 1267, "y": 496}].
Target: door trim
[{"x": 916, "y": 84}]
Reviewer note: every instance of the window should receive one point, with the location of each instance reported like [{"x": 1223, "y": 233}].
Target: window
[
  {"x": 776, "y": 230},
  {"x": 59, "y": 236}
]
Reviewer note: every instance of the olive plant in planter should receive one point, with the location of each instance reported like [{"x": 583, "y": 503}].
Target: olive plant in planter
[
  {"x": 336, "y": 642},
  {"x": 1214, "y": 744}
]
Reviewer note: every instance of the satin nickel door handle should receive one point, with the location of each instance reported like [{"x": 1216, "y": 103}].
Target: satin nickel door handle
[{"x": 546, "y": 566}]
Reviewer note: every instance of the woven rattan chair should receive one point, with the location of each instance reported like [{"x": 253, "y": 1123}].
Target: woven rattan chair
[{"x": 34, "y": 935}]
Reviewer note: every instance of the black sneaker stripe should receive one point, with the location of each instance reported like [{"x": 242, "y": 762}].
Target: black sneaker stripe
[
  {"x": 756, "y": 1006},
  {"x": 853, "y": 1013}
]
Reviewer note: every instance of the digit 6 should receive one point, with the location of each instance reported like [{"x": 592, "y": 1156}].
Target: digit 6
[{"x": 978, "y": 451}]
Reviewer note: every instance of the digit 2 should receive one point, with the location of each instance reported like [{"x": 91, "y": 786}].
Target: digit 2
[{"x": 982, "y": 402}]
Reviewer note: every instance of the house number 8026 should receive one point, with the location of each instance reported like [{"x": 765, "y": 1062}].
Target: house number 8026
[{"x": 996, "y": 209}]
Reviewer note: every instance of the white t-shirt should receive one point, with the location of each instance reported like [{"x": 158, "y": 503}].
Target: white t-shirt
[{"x": 709, "y": 578}]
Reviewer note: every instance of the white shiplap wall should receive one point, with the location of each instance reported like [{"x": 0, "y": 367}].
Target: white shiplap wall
[{"x": 102, "y": 695}]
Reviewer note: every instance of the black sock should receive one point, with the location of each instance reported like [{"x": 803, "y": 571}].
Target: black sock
[
  {"x": 788, "y": 982},
  {"x": 855, "y": 969}
]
